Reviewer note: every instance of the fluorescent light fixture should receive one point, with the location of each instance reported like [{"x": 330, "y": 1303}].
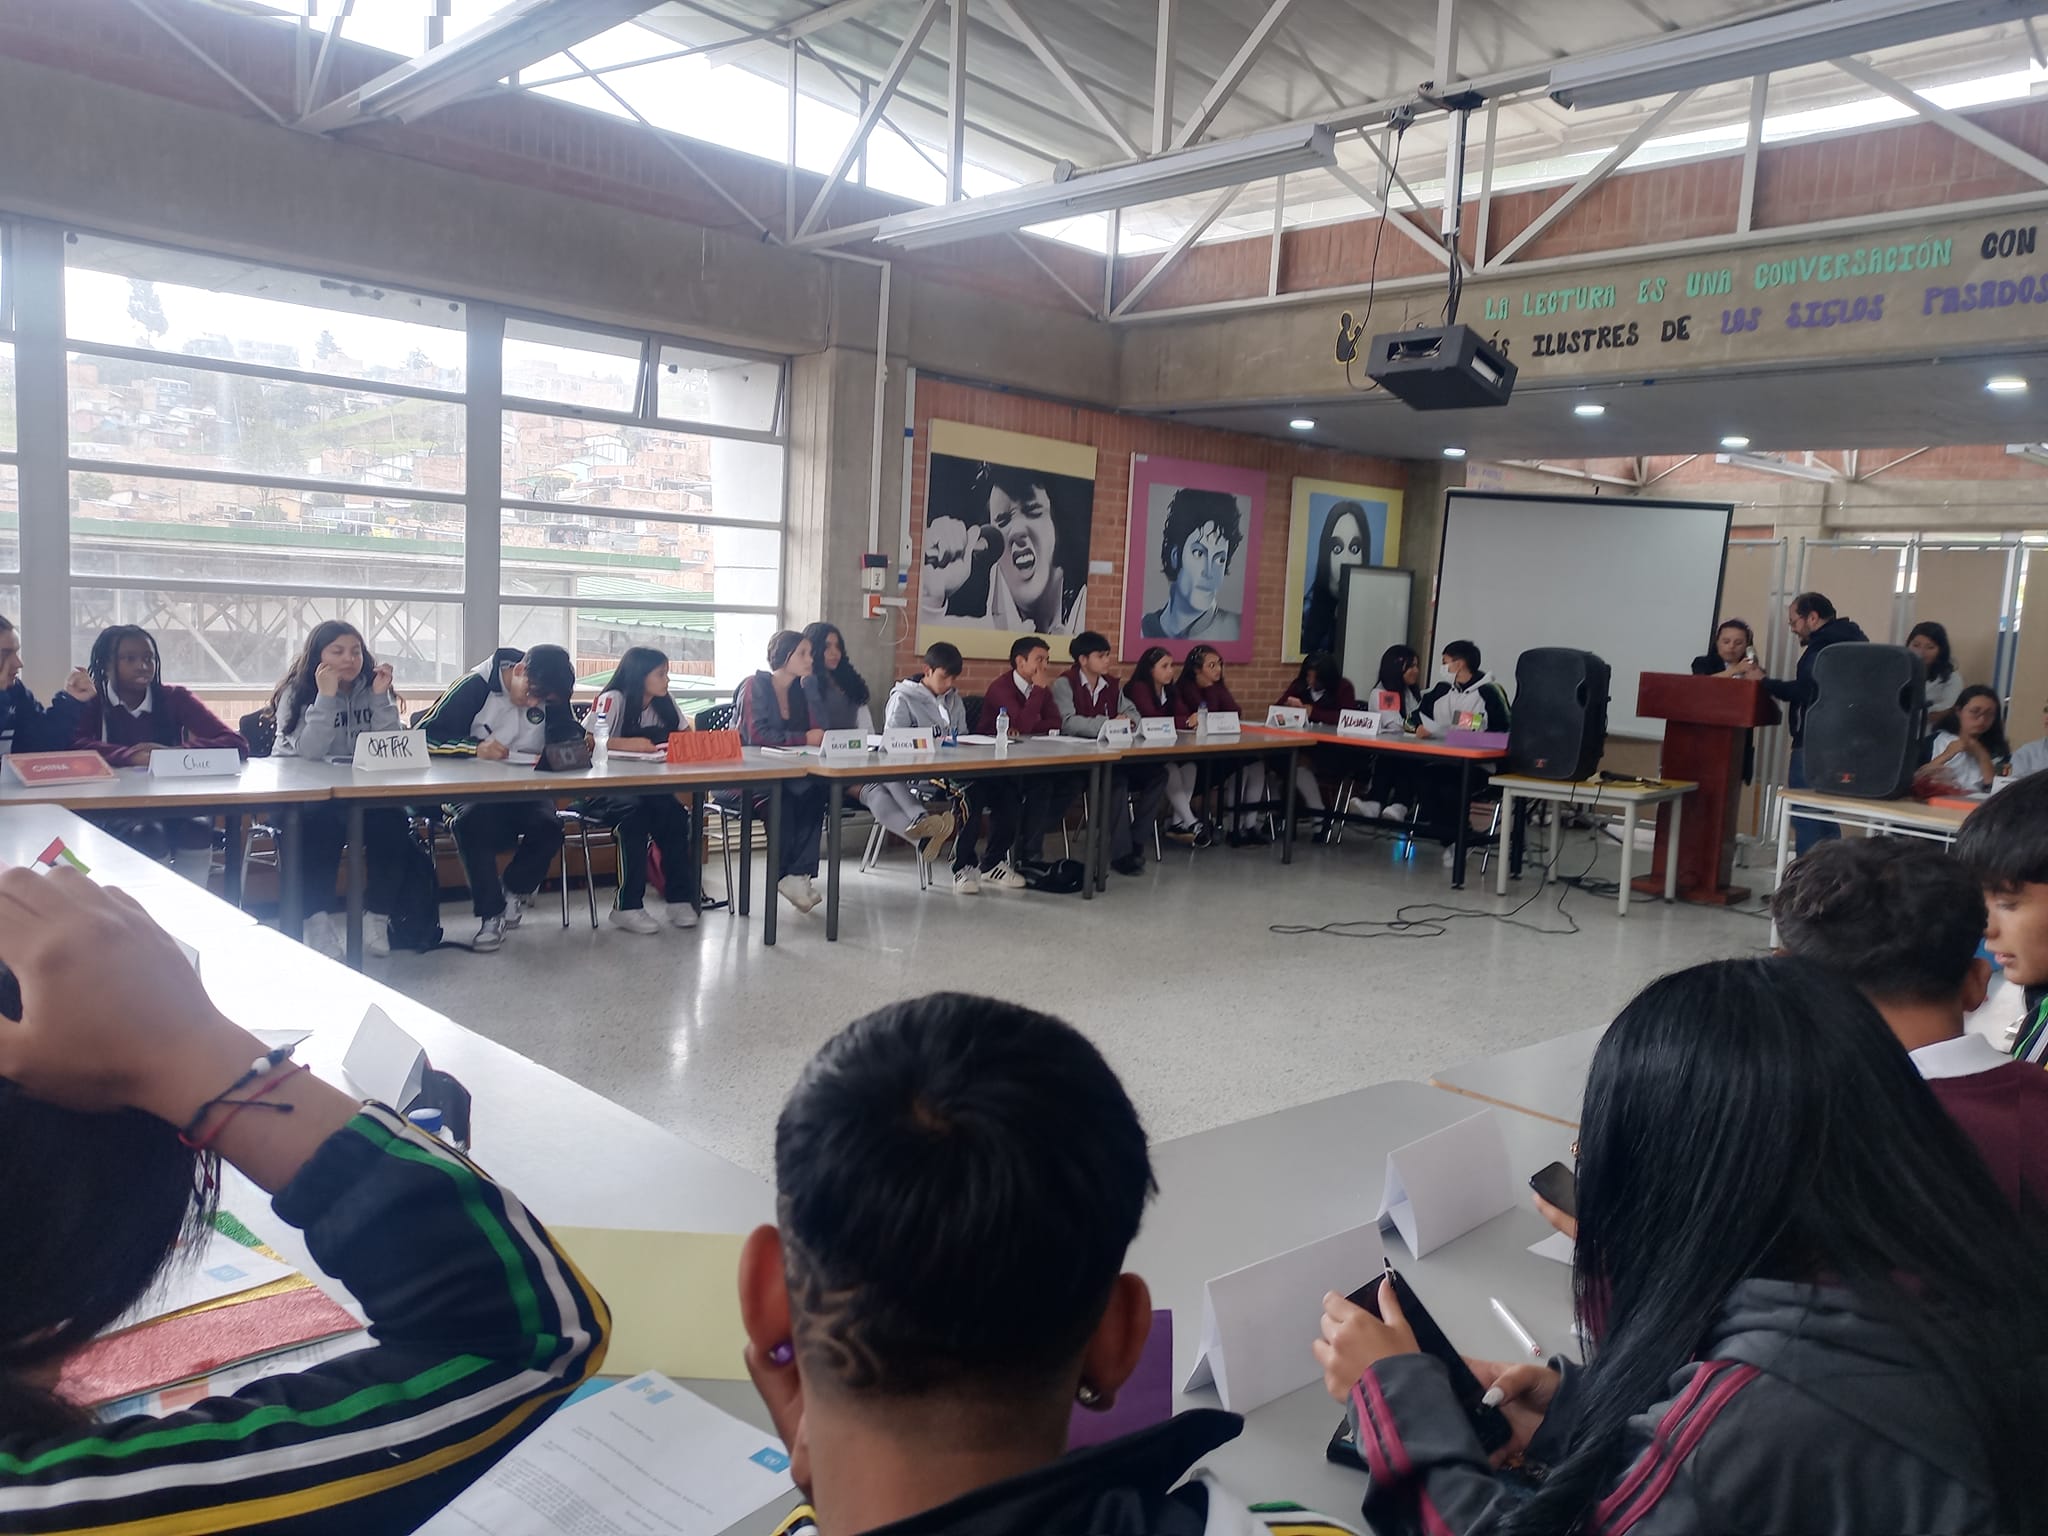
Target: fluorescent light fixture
[
  {"x": 1589, "y": 408},
  {"x": 1768, "y": 464},
  {"x": 1303, "y": 424},
  {"x": 1454, "y": 453},
  {"x": 1786, "y": 39},
  {"x": 2006, "y": 384},
  {"x": 1205, "y": 168},
  {"x": 1737, "y": 441}
]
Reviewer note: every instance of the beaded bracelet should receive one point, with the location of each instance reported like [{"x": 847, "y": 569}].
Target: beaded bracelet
[{"x": 260, "y": 1068}]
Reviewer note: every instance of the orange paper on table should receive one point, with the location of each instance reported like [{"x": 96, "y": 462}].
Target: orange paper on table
[{"x": 704, "y": 746}]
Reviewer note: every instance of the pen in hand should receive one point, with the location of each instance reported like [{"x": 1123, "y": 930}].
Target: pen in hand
[{"x": 1523, "y": 1337}]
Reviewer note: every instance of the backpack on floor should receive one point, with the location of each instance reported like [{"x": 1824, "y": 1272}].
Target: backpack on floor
[
  {"x": 1059, "y": 877},
  {"x": 416, "y": 910}
]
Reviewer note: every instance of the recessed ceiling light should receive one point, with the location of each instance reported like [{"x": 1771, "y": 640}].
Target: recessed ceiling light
[
  {"x": 1454, "y": 453},
  {"x": 1303, "y": 424},
  {"x": 1735, "y": 442},
  {"x": 1589, "y": 409},
  {"x": 2007, "y": 384}
]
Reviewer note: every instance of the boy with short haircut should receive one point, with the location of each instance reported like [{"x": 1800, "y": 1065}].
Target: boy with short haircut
[
  {"x": 1018, "y": 804},
  {"x": 2005, "y": 845},
  {"x": 517, "y": 702},
  {"x": 1902, "y": 919},
  {"x": 958, "y": 1181},
  {"x": 930, "y": 701},
  {"x": 1088, "y": 698}
]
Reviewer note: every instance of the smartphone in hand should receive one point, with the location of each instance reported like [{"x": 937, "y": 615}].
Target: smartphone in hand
[
  {"x": 1560, "y": 1186},
  {"x": 1490, "y": 1424}
]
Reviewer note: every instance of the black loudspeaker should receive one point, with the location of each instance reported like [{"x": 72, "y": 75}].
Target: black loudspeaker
[
  {"x": 1864, "y": 726},
  {"x": 1559, "y": 727}
]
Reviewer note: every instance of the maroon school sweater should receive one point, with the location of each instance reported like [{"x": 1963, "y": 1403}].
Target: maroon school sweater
[
  {"x": 1035, "y": 716},
  {"x": 1102, "y": 707},
  {"x": 1191, "y": 698},
  {"x": 2005, "y": 1112},
  {"x": 1323, "y": 711},
  {"x": 176, "y": 718}
]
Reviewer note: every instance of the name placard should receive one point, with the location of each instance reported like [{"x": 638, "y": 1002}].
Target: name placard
[
  {"x": 1287, "y": 717},
  {"x": 909, "y": 739},
  {"x": 1118, "y": 733},
  {"x": 383, "y": 751},
  {"x": 844, "y": 746},
  {"x": 1223, "y": 722},
  {"x": 1358, "y": 722},
  {"x": 1157, "y": 731},
  {"x": 194, "y": 762},
  {"x": 1386, "y": 701},
  {"x": 58, "y": 767}
]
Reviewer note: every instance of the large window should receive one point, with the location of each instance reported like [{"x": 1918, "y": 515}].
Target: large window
[{"x": 252, "y": 450}]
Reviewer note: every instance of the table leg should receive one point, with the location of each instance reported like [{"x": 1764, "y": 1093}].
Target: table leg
[
  {"x": 1507, "y": 821},
  {"x": 1628, "y": 854},
  {"x": 231, "y": 873},
  {"x": 746, "y": 850},
  {"x": 1671, "y": 851},
  {"x": 1461, "y": 828},
  {"x": 838, "y": 806},
  {"x": 768, "y": 892},
  {"x": 291, "y": 916},
  {"x": 358, "y": 863},
  {"x": 1105, "y": 789},
  {"x": 1287, "y": 800},
  {"x": 1784, "y": 853}
]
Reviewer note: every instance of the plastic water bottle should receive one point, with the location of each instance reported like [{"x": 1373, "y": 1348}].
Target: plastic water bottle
[
  {"x": 1202, "y": 720},
  {"x": 600, "y": 732},
  {"x": 1002, "y": 728}
]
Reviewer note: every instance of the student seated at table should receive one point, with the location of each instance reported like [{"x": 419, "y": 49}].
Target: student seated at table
[
  {"x": 641, "y": 717},
  {"x": 770, "y": 711},
  {"x": 1396, "y": 782},
  {"x": 1201, "y": 690},
  {"x": 514, "y": 703},
  {"x": 958, "y": 1181},
  {"x": 1463, "y": 692},
  {"x": 1089, "y": 697},
  {"x": 1154, "y": 693},
  {"x": 1968, "y": 753},
  {"x": 837, "y": 696},
  {"x": 134, "y": 712},
  {"x": 2005, "y": 845},
  {"x": 2032, "y": 756},
  {"x": 25, "y": 726},
  {"x": 334, "y": 692},
  {"x": 1321, "y": 688},
  {"x": 481, "y": 1326},
  {"x": 1903, "y": 920},
  {"x": 1929, "y": 641},
  {"x": 931, "y": 700},
  {"x": 1810, "y": 1307},
  {"x": 1020, "y": 806}
]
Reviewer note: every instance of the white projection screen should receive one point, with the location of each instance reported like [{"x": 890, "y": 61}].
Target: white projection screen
[{"x": 1638, "y": 583}]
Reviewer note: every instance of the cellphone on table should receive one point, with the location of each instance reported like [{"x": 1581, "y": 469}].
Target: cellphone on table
[
  {"x": 1560, "y": 1186},
  {"x": 1490, "y": 1424}
]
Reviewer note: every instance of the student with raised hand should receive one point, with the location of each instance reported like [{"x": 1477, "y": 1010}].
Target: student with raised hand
[
  {"x": 1970, "y": 749},
  {"x": 772, "y": 712},
  {"x": 120, "y": 1088},
  {"x": 1810, "y": 1308},
  {"x": 1154, "y": 693},
  {"x": 1395, "y": 785},
  {"x": 1089, "y": 697},
  {"x": 958, "y": 1181},
  {"x": 837, "y": 696},
  {"x": 641, "y": 717},
  {"x": 1202, "y": 688},
  {"x": 2004, "y": 843},
  {"x": 25, "y": 726},
  {"x": 516, "y": 702},
  {"x": 1903, "y": 920},
  {"x": 334, "y": 692}
]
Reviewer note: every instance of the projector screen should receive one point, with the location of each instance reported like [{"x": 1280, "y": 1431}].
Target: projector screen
[{"x": 1638, "y": 583}]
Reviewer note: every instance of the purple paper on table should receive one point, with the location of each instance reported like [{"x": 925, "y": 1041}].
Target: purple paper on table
[
  {"x": 1146, "y": 1399},
  {"x": 1495, "y": 740}
]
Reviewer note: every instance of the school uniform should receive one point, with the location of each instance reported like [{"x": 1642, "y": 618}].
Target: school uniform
[
  {"x": 1086, "y": 706},
  {"x": 1163, "y": 704},
  {"x": 637, "y": 820},
  {"x": 1246, "y": 784},
  {"x": 762, "y": 722},
  {"x": 1021, "y": 807},
  {"x": 26, "y": 726},
  {"x": 1961, "y": 774},
  {"x": 475, "y": 710},
  {"x": 168, "y": 716},
  {"x": 2001, "y": 1104},
  {"x": 1325, "y": 706},
  {"x": 1397, "y": 778},
  {"x": 326, "y": 731}
]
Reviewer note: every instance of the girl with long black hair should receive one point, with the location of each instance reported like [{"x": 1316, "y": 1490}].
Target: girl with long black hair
[
  {"x": 1929, "y": 641},
  {"x": 640, "y": 717},
  {"x": 1809, "y": 1306},
  {"x": 1395, "y": 784},
  {"x": 1969, "y": 746},
  {"x": 837, "y": 696}
]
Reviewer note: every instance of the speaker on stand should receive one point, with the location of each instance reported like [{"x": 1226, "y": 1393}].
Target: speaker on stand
[{"x": 1869, "y": 715}]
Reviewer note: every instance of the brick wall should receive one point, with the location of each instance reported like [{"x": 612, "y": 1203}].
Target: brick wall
[{"x": 1115, "y": 437}]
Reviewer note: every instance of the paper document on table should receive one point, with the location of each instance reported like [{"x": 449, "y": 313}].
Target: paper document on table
[
  {"x": 645, "y": 1458},
  {"x": 1556, "y": 1246},
  {"x": 972, "y": 739},
  {"x": 674, "y": 1304},
  {"x": 1443, "y": 1185},
  {"x": 207, "y": 1270},
  {"x": 639, "y": 757},
  {"x": 522, "y": 759}
]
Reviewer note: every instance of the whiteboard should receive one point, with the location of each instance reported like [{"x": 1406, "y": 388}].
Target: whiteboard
[
  {"x": 1372, "y": 615},
  {"x": 1638, "y": 583}
]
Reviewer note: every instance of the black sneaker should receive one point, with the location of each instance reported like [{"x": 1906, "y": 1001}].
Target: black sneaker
[{"x": 1130, "y": 864}]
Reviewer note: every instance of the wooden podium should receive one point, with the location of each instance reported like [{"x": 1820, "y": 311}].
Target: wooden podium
[{"x": 1707, "y": 720}]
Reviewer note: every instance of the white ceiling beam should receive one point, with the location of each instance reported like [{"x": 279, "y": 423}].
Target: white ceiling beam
[
  {"x": 803, "y": 26},
  {"x": 1279, "y": 229},
  {"x": 1445, "y": 59},
  {"x": 1592, "y": 178},
  {"x": 1752, "y": 147},
  {"x": 1163, "y": 66},
  {"x": 1962, "y": 127},
  {"x": 956, "y": 99},
  {"x": 211, "y": 63},
  {"x": 1233, "y": 74},
  {"x": 1066, "y": 287},
  {"x": 515, "y": 38},
  {"x": 1071, "y": 83},
  {"x": 913, "y": 40},
  {"x": 320, "y": 65},
  {"x": 1178, "y": 249},
  {"x": 1363, "y": 193},
  {"x": 1484, "y": 231}
]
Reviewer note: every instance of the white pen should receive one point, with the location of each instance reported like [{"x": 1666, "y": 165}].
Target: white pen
[{"x": 1513, "y": 1324}]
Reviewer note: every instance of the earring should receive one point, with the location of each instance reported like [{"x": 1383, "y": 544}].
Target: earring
[{"x": 1088, "y": 1395}]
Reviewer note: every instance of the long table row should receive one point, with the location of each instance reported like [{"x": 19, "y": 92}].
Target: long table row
[{"x": 287, "y": 785}]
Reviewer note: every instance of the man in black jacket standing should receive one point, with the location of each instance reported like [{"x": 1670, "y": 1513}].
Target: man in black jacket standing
[{"x": 1815, "y": 622}]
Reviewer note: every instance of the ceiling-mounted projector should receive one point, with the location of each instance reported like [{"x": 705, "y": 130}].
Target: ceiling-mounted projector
[{"x": 1441, "y": 368}]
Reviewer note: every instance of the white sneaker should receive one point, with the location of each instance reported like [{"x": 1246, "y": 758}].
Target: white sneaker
[
  {"x": 490, "y": 935},
  {"x": 1004, "y": 878},
  {"x": 376, "y": 934},
  {"x": 1396, "y": 813},
  {"x": 682, "y": 914},
  {"x": 1451, "y": 856},
  {"x": 320, "y": 935},
  {"x": 966, "y": 881},
  {"x": 515, "y": 908},
  {"x": 796, "y": 890},
  {"x": 1365, "y": 810},
  {"x": 634, "y": 920},
  {"x": 811, "y": 890}
]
